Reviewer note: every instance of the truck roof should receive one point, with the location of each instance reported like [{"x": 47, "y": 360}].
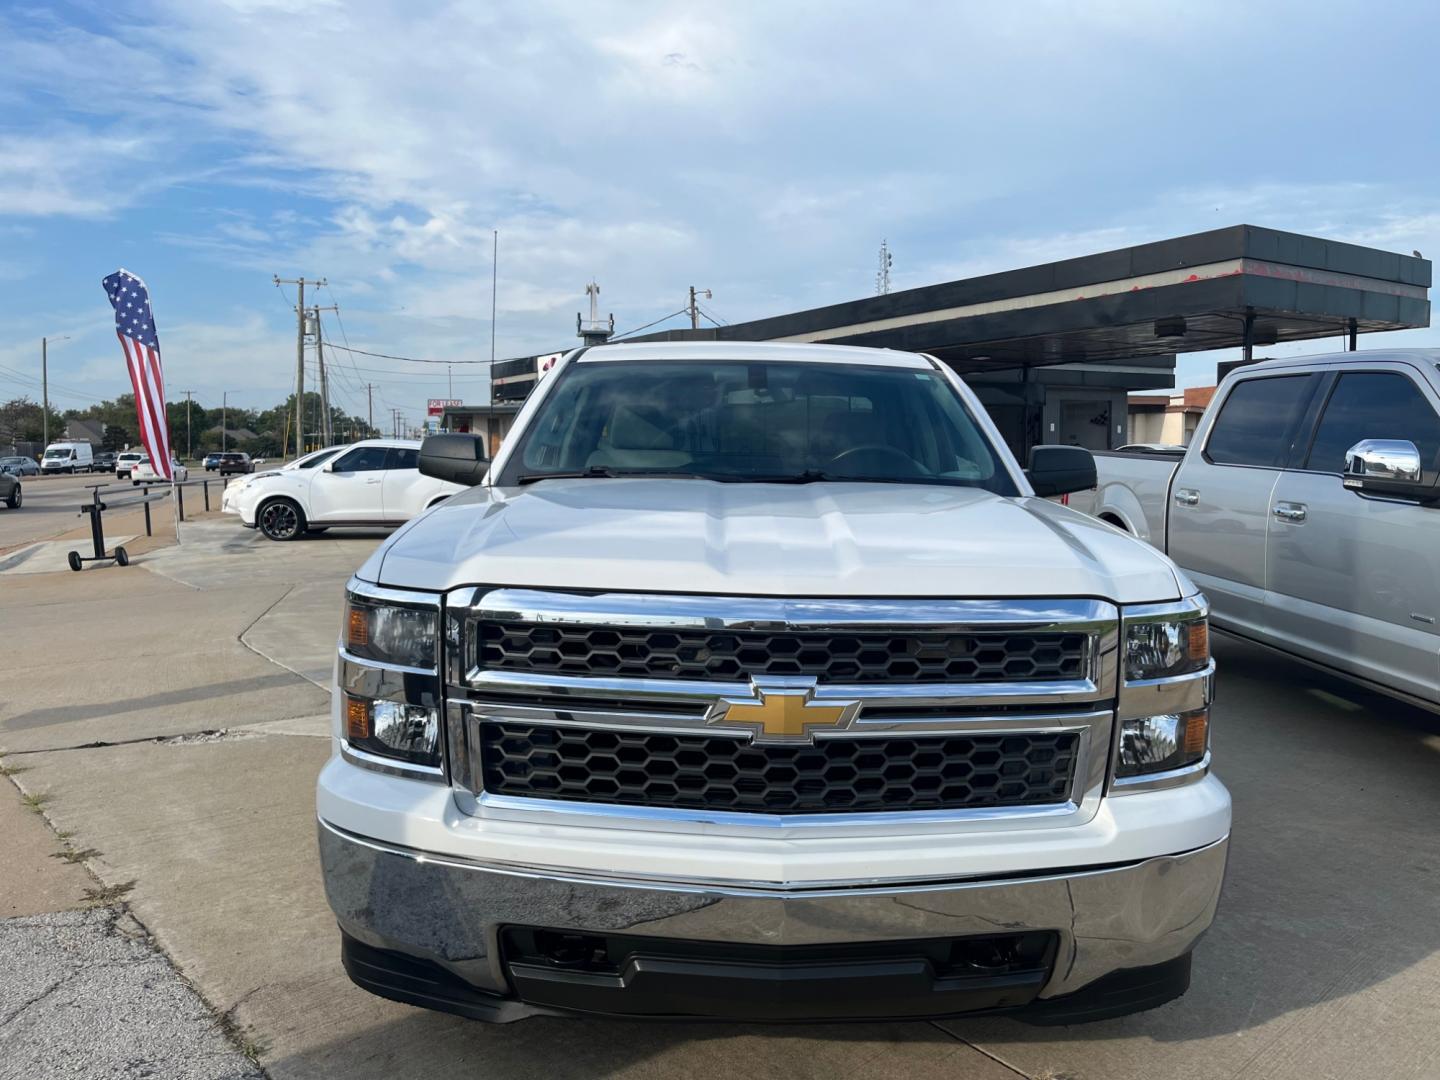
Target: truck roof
[
  {"x": 772, "y": 351},
  {"x": 1367, "y": 356}
]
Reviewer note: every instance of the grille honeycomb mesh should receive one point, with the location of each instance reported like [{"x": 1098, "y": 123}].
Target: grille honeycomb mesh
[
  {"x": 723, "y": 773},
  {"x": 830, "y": 657}
]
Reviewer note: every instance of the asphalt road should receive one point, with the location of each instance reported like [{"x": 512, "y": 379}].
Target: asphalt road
[
  {"x": 189, "y": 786},
  {"x": 51, "y": 506}
]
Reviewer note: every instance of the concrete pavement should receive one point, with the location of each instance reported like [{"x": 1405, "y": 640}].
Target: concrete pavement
[{"x": 1322, "y": 963}]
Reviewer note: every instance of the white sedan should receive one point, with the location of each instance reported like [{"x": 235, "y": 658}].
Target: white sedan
[
  {"x": 375, "y": 483},
  {"x": 143, "y": 472}
]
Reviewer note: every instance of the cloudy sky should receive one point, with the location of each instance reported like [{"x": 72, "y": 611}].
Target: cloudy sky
[{"x": 761, "y": 150}]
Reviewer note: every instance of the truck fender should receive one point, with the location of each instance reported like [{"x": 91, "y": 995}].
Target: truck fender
[{"x": 1116, "y": 504}]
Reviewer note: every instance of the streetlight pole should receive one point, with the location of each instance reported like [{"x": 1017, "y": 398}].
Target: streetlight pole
[
  {"x": 224, "y": 410},
  {"x": 45, "y": 387}
]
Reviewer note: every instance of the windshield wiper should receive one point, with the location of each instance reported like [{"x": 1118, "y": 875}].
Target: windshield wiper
[
  {"x": 606, "y": 472},
  {"x": 578, "y": 474}
]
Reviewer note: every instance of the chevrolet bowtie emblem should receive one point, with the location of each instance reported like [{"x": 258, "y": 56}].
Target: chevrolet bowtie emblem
[{"x": 782, "y": 709}]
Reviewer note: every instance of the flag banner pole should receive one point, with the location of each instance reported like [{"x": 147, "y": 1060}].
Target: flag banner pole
[{"x": 135, "y": 327}]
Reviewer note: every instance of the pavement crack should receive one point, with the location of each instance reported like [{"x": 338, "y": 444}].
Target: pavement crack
[
  {"x": 25, "y": 1006},
  {"x": 979, "y": 1050},
  {"x": 205, "y": 735}
]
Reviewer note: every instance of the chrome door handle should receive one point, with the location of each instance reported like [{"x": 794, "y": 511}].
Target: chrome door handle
[
  {"x": 1289, "y": 511},
  {"x": 1186, "y": 497}
]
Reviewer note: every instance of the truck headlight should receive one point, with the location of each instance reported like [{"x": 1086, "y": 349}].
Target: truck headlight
[
  {"x": 393, "y": 729},
  {"x": 390, "y": 633},
  {"x": 1151, "y": 744},
  {"x": 1161, "y": 646}
]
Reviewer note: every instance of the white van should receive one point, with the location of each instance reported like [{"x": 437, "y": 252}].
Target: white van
[{"x": 67, "y": 457}]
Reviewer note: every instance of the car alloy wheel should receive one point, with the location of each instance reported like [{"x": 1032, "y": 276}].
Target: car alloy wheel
[{"x": 280, "y": 520}]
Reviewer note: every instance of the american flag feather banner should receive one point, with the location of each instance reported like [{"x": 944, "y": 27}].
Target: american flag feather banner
[{"x": 135, "y": 327}]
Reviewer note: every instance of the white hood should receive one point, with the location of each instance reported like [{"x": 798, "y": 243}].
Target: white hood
[{"x": 823, "y": 539}]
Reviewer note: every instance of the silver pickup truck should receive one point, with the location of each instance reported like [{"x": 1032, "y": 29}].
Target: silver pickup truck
[{"x": 1307, "y": 508}]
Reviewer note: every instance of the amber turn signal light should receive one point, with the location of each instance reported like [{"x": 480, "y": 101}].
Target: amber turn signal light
[
  {"x": 1198, "y": 640},
  {"x": 1197, "y": 728},
  {"x": 357, "y": 626},
  {"x": 357, "y": 718}
]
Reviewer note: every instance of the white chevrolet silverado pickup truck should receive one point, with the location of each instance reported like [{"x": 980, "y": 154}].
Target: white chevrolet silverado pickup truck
[
  {"x": 1308, "y": 508},
  {"x": 760, "y": 682}
]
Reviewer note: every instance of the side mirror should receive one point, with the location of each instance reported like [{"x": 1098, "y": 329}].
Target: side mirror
[
  {"x": 454, "y": 457},
  {"x": 1387, "y": 467},
  {"x": 1059, "y": 470}
]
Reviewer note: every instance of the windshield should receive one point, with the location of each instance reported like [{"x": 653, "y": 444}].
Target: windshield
[
  {"x": 55, "y": 453},
  {"x": 758, "y": 422},
  {"x": 317, "y": 458}
]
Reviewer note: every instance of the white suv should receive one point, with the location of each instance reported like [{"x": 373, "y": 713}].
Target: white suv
[{"x": 372, "y": 483}]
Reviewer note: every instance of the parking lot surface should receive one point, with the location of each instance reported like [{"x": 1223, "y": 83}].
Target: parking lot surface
[
  {"x": 50, "y": 506},
  {"x": 179, "y": 761}
]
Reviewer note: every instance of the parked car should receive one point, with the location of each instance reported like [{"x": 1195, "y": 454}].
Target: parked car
[
  {"x": 127, "y": 460},
  {"x": 10, "y": 493},
  {"x": 234, "y": 464},
  {"x": 758, "y": 681},
  {"x": 104, "y": 462},
  {"x": 212, "y": 461},
  {"x": 237, "y": 493},
  {"x": 1150, "y": 448},
  {"x": 372, "y": 483},
  {"x": 67, "y": 457},
  {"x": 143, "y": 472},
  {"x": 1307, "y": 507},
  {"x": 20, "y": 465}
]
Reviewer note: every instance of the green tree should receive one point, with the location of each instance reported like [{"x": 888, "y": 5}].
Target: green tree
[{"x": 22, "y": 420}]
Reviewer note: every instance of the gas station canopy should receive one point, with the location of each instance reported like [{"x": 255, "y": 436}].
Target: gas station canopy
[{"x": 1235, "y": 287}]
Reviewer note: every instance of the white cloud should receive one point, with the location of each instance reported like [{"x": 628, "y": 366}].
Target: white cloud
[{"x": 758, "y": 150}]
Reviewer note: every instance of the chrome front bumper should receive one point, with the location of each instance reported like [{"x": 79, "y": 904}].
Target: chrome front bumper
[{"x": 450, "y": 912}]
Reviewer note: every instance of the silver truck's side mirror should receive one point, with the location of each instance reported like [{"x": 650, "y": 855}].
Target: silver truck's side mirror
[
  {"x": 458, "y": 458},
  {"x": 1059, "y": 470},
  {"x": 1384, "y": 459},
  {"x": 1387, "y": 467}
]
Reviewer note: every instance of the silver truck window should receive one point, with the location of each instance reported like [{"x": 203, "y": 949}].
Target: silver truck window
[
  {"x": 1374, "y": 405},
  {"x": 760, "y": 422},
  {"x": 1256, "y": 421}
]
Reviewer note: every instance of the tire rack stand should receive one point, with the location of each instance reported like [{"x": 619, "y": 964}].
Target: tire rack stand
[{"x": 95, "y": 508}]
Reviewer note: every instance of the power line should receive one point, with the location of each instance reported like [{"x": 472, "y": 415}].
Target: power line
[
  {"x": 407, "y": 359},
  {"x": 657, "y": 322},
  {"x": 707, "y": 315}
]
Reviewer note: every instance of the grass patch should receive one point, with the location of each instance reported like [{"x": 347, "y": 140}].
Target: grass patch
[
  {"x": 34, "y": 801},
  {"x": 76, "y": 856},
  {"x": 12, "y": 770},
  {"x": 230, "y": 1028},
  {"x": 107, "y": 894}
]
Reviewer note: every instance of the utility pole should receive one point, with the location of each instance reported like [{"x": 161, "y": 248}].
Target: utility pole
[
  {"x": 189, "y": 446},
  {"x": 494, "y": 278},
  {"x": 45, "y": 387},
  {"x": 224, "y": 415},
  {"x": 326, "y": 434},
  {"x": 299, "y": 355},
  {"x": 694, "y": 308},
  {"x": 370, "y": 406}
]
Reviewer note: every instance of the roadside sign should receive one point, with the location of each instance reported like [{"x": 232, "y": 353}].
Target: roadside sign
[{"x": 437, "y": 406}]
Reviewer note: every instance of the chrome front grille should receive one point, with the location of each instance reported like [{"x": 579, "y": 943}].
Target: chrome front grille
[
  {"x": 881, "y": 656},
  {"x": 762, "y": 712},
  {"x": 641, "y": 768}
]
